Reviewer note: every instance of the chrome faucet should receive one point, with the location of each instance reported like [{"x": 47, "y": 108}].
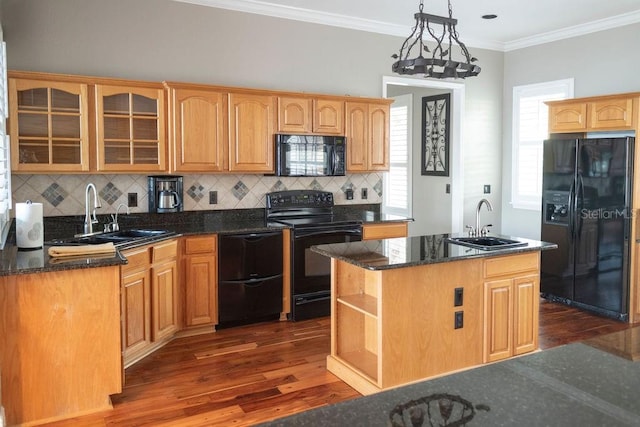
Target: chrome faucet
[
  {"x": 90, "y": 215},
  {"x": 481, "y": 231},
  {"x": 113, "y": 225}
]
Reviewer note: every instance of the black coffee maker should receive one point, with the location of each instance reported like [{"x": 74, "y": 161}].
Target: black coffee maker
[{"x": 165, "y": 193}]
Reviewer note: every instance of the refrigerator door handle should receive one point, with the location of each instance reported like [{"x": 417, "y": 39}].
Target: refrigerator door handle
[
  {"x": 580, "y": 205},
  {"x": 572, "y": 210}
]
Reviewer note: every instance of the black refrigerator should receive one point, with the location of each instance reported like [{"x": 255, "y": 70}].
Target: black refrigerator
[{"x": 586, "y": 211}]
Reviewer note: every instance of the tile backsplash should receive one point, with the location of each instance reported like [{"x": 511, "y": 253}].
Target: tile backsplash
[{"x": 63, "y": 195}]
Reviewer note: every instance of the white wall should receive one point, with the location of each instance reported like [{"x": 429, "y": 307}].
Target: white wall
[{"x": 601, "y": 63}]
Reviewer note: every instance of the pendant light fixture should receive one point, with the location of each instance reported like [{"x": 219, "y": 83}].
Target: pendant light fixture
[{"x": 437, "y": 63}]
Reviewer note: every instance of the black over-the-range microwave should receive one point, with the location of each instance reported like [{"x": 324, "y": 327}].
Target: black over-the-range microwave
[{"x": 310, "y": 155}]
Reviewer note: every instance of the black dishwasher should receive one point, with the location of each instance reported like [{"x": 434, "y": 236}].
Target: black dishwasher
[{"x": 249, "y": 277}]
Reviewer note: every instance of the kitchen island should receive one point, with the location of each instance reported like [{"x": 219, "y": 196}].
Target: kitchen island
[{"x": 408, "y": 309}]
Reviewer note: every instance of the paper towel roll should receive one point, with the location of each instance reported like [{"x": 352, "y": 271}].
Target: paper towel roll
[{"x": 29, "y": 227}]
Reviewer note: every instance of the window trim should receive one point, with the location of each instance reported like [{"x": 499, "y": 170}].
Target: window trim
[{"x": 536, "y": 89}]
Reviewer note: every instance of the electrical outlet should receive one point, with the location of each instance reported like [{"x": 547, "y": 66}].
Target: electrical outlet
[
  {"x": 458, "y": 297},
  {"x": 364, "y": 193},
  {"x": 349, "y": 193},
  {"x": 459, "y": 320},
  {"x": 213, "y": 197},
  {"x": 132, "y": 200},
  {"x": 487, "y": 189}
]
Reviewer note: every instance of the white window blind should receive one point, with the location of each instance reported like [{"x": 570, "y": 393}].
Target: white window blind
[
  {"x": 530, "y": 129},
  {"x": 5, "y": 164},
  {"x": 397, "y": 182}
]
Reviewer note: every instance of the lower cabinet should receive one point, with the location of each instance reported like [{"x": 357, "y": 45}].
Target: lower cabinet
[
  {"x": 149, "y": 295},
  {"x": 200, "y": 281},
  {"x": 511, "y": 304}
]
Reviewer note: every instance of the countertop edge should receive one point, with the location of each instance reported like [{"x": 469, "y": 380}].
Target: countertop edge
[{"x": 370, "y": 263}]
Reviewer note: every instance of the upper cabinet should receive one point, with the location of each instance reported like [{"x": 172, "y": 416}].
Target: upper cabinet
[
  {"x": 130, "y": 129},
  {"x": 328, "y": 116},
  {"x": 198, "y": 130},
  {"x": 367, "y": 135},
  {"x": 616, "y": 112},
  {"x": 611, "y": 114},
  {"x": 299, "y": 114},
  {"x": 251, "y": 130},
  {"x": 72, "y": 124},
  {"x": 48, "y": 126}
]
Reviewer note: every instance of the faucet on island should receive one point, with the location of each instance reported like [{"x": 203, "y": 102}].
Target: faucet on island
[
  {"x": 90, "y": 214},
  {"x": 480, "y": 231}
]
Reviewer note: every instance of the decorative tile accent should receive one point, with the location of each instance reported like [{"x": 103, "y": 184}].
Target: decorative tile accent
[
  {"x": 240, "y": 190},
  {"x": 378, "y": 187},
  {"x": 347, "y": 185},
  {"x": 278, "y": 186},
  {"x": 315, "y": 185},
  {"x": 110, "y": 193},
  {"x": 55, "y": 194},
  {"x": 196, "y": 191}
]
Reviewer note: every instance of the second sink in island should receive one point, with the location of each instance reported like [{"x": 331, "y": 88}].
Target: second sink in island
[{"x": 408, "y": 309}]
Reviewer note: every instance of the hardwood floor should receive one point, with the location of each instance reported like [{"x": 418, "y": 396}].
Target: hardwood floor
[{"x": 251, "y": 374}]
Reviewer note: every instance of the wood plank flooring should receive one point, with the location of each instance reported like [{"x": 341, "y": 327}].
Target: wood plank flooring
[{"x": 246, "y": 375}]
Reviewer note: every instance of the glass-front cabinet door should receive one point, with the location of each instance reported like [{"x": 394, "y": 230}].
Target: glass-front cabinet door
[
  {"x": 48, "y": 126},
  {"x": 131, "y": 128}
]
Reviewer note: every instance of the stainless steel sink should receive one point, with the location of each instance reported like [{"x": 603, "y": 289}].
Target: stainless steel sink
[
  {"x": 486, "y": 243},
  {"x": 118, "y": 238}
]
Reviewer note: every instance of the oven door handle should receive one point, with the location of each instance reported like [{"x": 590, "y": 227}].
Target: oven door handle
[{"x": 300, "y": 235}]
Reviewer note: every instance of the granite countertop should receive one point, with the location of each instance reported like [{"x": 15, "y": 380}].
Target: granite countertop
[
  {"x": 413, "y": 251},
  {"x": 15, "y": 261},
  {"x": 571, "y": 385}
]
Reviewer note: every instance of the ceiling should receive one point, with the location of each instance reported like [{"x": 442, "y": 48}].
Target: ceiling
[{"x": 520, "y": 23}]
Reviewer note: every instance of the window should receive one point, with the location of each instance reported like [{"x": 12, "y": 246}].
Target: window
[
  {"x": 5, "y": 167},
  {"x": 530, "y": 129},
  {"x": 397, "y": 182}
]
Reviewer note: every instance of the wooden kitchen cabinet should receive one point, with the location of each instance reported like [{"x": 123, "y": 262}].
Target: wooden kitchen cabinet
[
  {"x": 295, "y": 114},
  {"x": 198, "y": 129},
  {"x": 605, "y": 113},
  {"x": 130, "y": 128},
  {"x": 367, "y": 132},
  {"x": 200, "y": 280},
  {"x": 61, "y": 351},
  {"x": 511, "y": 304},
  {"x": 388, "y": 230},
  {"x": 611, "y": 114},
  {"x": 149, "y": 299},
  {"x": 164, "y": 290},
  {"x": 136, "y": 304},
  {"x": 48, "y": 126},
  {"x": 252, "y": 120},
  {"x": 299, "y": 114}
]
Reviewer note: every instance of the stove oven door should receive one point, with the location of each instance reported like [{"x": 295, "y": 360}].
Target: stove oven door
[{"x": 311, "y": 272}]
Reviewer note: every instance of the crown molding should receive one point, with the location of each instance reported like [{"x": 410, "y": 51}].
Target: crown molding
[
  {"x": 577, "y": 30},
  {"x": 354, "y": 23}
]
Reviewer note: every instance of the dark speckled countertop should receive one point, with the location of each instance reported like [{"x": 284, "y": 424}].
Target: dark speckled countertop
[
  {"x": 413, "y": 251},
  {"x": 15, "y": 261}
]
